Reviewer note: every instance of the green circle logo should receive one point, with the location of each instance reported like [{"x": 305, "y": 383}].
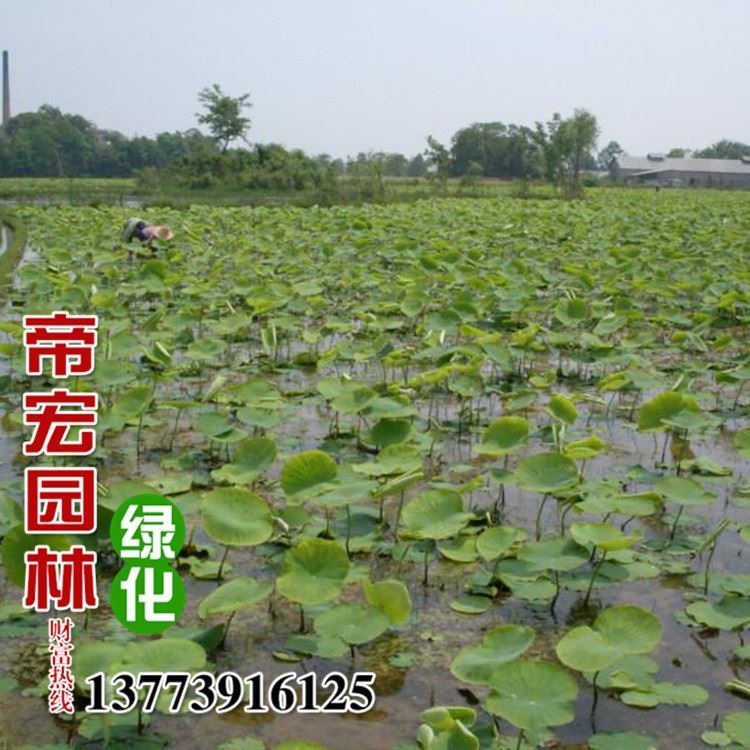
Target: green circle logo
[
  {"x": 147, "y": 599},
  {"x": 147, "y": 529}
]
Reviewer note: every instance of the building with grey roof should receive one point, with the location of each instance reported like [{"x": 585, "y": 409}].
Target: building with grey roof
[{"x": 666, "y": 171}]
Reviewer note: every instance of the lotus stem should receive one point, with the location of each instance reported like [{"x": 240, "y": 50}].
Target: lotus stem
[
  {"x": 426, "y": 566},
  {"x": 539, "y": 517},
  {"x": 595, "y": 700},
  {"x": 221, "y": 564},
  {"x": 398, "y": 514},
  {"x": 174, "y": 430},
  {"x": 226, "y": 629},
  {"x": 707, "y": 574},
  {"x": 301, "y": 619},
  {"x": 667, "y": 437},
  {"x": 676, "y": 521},
  {"x": 348, "y": 530},
  {"x": 593, "y": 577}
]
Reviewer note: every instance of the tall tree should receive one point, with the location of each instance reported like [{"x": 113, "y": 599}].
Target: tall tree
[
  {"x": 566, "y": 147},
  {"x": 605, "y": 156},
  {"x": 223, "y": 115}
]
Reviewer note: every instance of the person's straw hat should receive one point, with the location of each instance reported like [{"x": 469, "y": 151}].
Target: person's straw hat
[{"x": 163, "y": 232}]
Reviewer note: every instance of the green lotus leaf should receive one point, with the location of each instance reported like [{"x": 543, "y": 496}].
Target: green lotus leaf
[
  {"x": 585, "y": 448},
  {"x": 616, "y": 632},
  {"x": 390, "y": 432},
  {"x": 242, "y": 743},
  {"x": 563, "y": 409},
  {"x": 93, "y": 657},
  {"x": 443, "y": 717},
  {"x": 730, "y": 613},
  {"x": 476, "y": 664},
  {"x": 471, "y": 604},
  {"x": 504, "y": 436},
  {"x": 683, "y": 490},
  {"x": 665, "y": 693},
  {"x": 604, "y": 535},
  {"x": 742, "y": 442},
  {"x": 545, "y": 472},
  {"x": 632, "y": 629},
  {"x": 162, "y": 655},
  {"x": 236, "y": 517},
  {"x": 391, "y": 597},
  {"x": 495, "y": 541},
  {"x": 313, "y": 572},
  {"x": 304, "y": 470},
  {"x": 353, "y": 623},
  {"x": 435, "y": 514},
  {"x": 237, "y": 594},
  {"x": 557, "y": 553},
  {"x": 586, "y": 650},
  {"x": 532, "y": 695},
  {"x": 737, "y": 726},
  {"x": 666, "y": 406},
  {"x": 622, "y": 741},
  {"x": 17, "y": 543}
]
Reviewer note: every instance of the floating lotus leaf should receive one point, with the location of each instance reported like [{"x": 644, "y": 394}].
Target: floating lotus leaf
[
  {"x": 545, "y": 472},
  {"x": 435, "y": 514},
  {"x": 304, "y": 470},
  {"x": 237, "y": 594},
  {"x": 162, "y": 655},
  {"x": 353, "y": 623},
  {"x": 736, "y": 725},
  {"x": 471, "y": 604},
  {"x": 504, "y": 436},
  {"x": 730, "y": 613},
  {"x": 313, "y": 572},
  {"x": 622, "y": 741},
  {"x": 476, "y": 664},
  {"x": 236, "y": 517},
  {"x": 665, "y": 693},
  {"x": 532, "y": 695}
]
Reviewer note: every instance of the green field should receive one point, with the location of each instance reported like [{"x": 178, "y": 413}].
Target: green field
[{"x": 527, "y": 420}]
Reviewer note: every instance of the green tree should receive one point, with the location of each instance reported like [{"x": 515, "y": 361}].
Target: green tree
[
  {"x": 724, "y": 149},
  {"x": 439, "y": 158},
  {"x": 566, "y": 147},
  {"x": 223, "y": 115},
  {"x": 605, "y": 156},
  {"x": 417, "y": 166},
  {"x": 678, "y": 153}
]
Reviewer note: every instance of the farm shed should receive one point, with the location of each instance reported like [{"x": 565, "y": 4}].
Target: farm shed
[{"x": 656, "y": 169}]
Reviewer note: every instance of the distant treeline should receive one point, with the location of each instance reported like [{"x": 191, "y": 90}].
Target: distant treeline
[{"x": 50, "y": 143}]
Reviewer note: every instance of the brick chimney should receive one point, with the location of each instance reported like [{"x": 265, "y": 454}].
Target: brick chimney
[{"x": 6, "y": 88}]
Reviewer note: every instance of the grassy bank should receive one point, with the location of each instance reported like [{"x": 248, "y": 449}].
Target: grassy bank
[{"x": 91, "y": 191}]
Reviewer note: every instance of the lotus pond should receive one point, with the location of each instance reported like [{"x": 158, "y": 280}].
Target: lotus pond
[{"x": 495, "y": 451}]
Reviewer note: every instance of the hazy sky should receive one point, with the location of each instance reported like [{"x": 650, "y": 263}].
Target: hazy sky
[{"x": 342, "y": 76}]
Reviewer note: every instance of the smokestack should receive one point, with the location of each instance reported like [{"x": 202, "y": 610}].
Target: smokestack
[{"x": 6, "y": 88}]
